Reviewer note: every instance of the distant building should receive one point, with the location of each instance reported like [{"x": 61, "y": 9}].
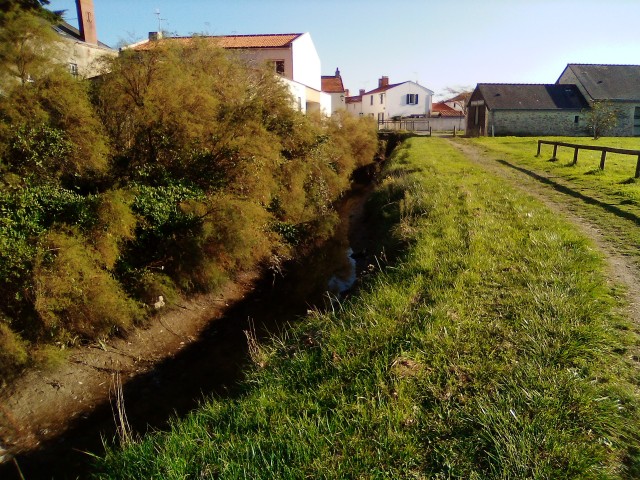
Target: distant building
[
  {"x": 557, "y": 109},
  {"x": 354, "y": 103},
  {"x": 393, "y": 101},
  {"x": 618, "y": 84},
  {"x": 445, "y": 117},
  {"x": 521, "y": 109},
  {"x": 80, "y": 48},
  {"x": 332, "y": 85},
  {"x": 293, "y": 56}
]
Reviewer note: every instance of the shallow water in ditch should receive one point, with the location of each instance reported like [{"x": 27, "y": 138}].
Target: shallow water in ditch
[{"x": 214, "y": 363}]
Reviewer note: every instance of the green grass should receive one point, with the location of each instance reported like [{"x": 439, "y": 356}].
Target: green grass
[
  {"x": 490, "y": 350},
  {"x": 609, "y": 198},
  {"x": 617, "y": 178}
]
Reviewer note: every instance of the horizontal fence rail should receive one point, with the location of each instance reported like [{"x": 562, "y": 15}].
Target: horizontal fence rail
[{"x": 603, "y": 157}]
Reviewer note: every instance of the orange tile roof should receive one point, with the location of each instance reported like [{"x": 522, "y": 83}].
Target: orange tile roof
[
  {"x": 332, "y": 84},
  {"x": 235, "y": 41},
  {"x": 257, "y": 41},
  {"x": 441, "y": 109}
]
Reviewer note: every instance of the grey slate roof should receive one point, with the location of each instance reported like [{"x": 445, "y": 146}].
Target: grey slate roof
[
  {"x": 517, "y": 96},
  {"x": 68, "y": 31},
  {"x": 608, "y": 82}
]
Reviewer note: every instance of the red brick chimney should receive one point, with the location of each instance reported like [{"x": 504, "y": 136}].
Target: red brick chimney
[
  {"x": 87, "y": 21},
  {"x": 383, "y": 82}
]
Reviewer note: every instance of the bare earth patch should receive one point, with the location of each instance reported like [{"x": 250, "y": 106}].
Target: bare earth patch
[{"x": 41, "y": 404}]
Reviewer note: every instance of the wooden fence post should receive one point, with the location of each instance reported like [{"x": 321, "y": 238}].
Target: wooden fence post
[
  {"x": 539, "y": 145},
  {"x": 454, "y": 130},
  {"x": 555, "y": 150},
  {"x": 638, "y": 168},
  {"x": 575, "y": 155},
  {"x": 603, "y": 157}
]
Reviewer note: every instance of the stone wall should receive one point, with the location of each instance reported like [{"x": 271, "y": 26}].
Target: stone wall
[{"x": 536, "y": 122}]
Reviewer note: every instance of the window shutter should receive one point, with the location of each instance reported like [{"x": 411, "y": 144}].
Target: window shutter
[
  {"x": 416, "y": 98},
  {"x": 408, "y": 98}
]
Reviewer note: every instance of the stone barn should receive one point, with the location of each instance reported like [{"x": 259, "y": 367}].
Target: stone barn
[{"x": 526, "y": 109}]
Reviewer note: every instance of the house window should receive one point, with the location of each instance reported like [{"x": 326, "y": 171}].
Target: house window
[
  {"x": 371, "y": 99},
  {"x": 299, "y": 104},
  {"x": 73, "y": 69},
  {"x": 412, "y": 98},
  {"x": 279, "y": 66},
  {"x": 576, "y": 119},
  {"x": 381, "y": 117},
  {"x": 381, "y": 98}
]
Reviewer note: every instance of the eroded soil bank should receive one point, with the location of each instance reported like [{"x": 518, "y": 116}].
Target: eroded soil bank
[{"x": 51, "y": 421}]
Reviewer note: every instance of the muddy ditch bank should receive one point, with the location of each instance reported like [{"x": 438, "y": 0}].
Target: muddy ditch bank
[{"x": 52, "y": 422}]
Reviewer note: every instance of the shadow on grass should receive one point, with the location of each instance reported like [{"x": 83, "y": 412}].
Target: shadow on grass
[
  {"x": 629, "y": 181},
  {"x": 573, "y": 193}
]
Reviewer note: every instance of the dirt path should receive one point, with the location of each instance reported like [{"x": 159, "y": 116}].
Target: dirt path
[
  {"x": 42, "y": 404},
  {"x": 622, "y": 269}
]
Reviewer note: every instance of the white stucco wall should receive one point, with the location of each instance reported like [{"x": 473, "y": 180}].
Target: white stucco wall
[
  {"x": 354, "y": 108},
  {"x": 397, "y": 100},
  {"x": 298, "y": 94},
  {"x": 306, "y": 62},
  {"x": 326, "y": 103},
  {"x": 337, "y": 102},
  {"x": 394, "y": 102}
]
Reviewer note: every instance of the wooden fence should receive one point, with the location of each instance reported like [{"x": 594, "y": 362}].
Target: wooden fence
[{"x": 603, "y": 157}]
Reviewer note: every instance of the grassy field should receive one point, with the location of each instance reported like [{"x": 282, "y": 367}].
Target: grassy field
[
  {"x": 617, "y": 179},
  {"x": 490, "y": 350},
  {"x": 609, "y": 198}
]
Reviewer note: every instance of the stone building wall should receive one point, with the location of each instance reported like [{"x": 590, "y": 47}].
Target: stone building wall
[{"x": 536, "y": 122}]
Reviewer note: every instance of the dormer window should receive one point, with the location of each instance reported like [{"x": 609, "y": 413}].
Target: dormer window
[{"x": 412, "y": 99}]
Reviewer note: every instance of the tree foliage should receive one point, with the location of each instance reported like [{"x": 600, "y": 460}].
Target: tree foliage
[
  {"x": 601, "y": 117},
  {"x": 180, "y": 166}
]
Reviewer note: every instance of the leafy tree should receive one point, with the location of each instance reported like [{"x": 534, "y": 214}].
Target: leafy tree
[
  {"x": 48, "y": 128},
  {"x": 33, "y": 6},
  {"x": 27, "y": 47},
  {"x": 600, "y": 118}
]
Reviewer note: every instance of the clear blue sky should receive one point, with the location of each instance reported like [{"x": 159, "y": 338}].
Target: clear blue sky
[{"x": 440, "y": 43}]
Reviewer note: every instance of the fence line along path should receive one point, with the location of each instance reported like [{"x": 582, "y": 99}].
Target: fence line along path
[{"x": 604, "y": 150}]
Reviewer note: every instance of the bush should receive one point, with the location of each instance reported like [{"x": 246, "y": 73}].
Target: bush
[
  {"x": 73, "y": 294},
  {"x": 13, "y": 351}
]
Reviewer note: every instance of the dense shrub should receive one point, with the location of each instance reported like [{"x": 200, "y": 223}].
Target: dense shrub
[
  {"x": 177, "y": 168},
  {"x": 73, "y": 294}
]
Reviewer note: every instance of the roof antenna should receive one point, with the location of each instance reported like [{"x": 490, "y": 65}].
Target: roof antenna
[{"x": 160, "y": 20}]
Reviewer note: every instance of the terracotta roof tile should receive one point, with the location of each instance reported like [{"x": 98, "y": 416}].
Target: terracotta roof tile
[
  {"x": 332, "y": 84},
  {"x": 235, "y": 41},
  {"x": 441, "y": 109}
]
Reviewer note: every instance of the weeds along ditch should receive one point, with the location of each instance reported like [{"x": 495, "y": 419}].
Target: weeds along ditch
[
  {"x": 490, "y": 349},
  {"x": 214, "y": 364}
]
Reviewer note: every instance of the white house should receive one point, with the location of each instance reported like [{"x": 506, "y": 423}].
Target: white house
[
  {"x": 332, "y": 85},
  {"x": 398, "y": 100},
  {"x": 292, "y": 55}
]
